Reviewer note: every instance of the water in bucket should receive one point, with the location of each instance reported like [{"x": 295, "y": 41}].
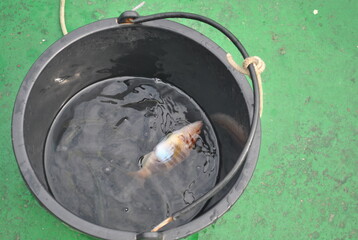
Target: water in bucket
[{"x": 102, "y": 133}]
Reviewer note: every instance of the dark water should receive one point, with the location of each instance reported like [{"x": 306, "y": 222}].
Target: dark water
[{"x": 101, "y": 134}]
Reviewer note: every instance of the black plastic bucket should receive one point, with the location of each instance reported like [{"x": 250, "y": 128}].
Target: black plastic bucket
[{"x": 160, "y": 49}]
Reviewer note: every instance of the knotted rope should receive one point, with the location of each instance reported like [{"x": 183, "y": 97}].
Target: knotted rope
[{"x": 259, "y": 66}]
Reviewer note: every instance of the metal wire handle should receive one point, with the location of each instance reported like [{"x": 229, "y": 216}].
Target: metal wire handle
[{"x": 134, "y": 18}]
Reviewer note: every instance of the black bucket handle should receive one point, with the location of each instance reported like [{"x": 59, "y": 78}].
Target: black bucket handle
[{"x": 132, "y": 17}]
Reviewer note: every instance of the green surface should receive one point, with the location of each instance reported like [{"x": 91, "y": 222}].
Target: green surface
[{"x": 305, "y": 183}]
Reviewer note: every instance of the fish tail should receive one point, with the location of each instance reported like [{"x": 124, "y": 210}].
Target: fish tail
[{"x": 140, "y": 175}]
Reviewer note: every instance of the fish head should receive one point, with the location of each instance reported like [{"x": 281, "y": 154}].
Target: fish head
[
  {"x": 194, "y": 128},
  {"x": 189, "y": 134}
]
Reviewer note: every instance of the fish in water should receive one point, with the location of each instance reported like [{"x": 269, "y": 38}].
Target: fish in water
[{"x": 173, "y": 149}]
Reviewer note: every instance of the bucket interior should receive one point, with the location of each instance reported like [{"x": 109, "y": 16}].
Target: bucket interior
[{"x": 140, "y": 51}]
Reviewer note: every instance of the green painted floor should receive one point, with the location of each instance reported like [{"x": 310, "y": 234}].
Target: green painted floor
[{"x": 305, "y": 183}]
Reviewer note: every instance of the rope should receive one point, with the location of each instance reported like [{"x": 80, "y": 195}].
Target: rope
[
  {"x": 162, "y": 224},
  {"x": 259, "y": 66},
  {"x": 62, "y": 17},
  {"x": 138, "y": 6}
]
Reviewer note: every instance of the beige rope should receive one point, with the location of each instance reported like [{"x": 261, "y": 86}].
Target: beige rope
[
  {"x": 138, "y": 6},
  {"x": 259, "y": 66},
  {"x": 62, "y": 17},
  {"x": 162, "y": 224}
]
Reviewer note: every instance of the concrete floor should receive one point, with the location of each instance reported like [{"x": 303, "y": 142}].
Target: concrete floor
[{"x": 305, "y": 183}]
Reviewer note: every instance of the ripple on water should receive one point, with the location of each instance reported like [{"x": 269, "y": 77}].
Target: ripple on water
[{"x": 103, "y": 132}]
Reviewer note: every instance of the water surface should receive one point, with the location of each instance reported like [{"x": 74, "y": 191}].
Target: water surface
[{"x": 102, "y": 133}]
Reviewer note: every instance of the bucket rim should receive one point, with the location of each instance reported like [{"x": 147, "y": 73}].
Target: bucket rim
[{"x": 45, "y": 198}]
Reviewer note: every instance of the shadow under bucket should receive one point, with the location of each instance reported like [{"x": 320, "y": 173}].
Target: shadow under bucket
[{"x": 130, "y": 85}]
